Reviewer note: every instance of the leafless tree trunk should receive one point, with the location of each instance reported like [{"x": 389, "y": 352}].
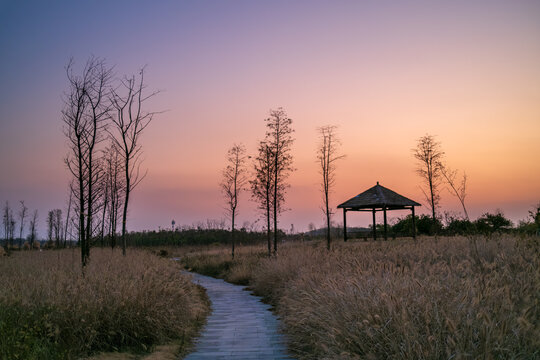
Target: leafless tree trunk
[
  {"x": 327, "y": 156},
  {"x": 106, "y": 196},
  {"x": 67, "y": 215},
  {"x": 6, "y": 221},
  {"x": 33, "y": 234},
  {"x": 429, "y": 155},
  {"x": 459, "y": 189},
  {"x": 130, "y": 121},
  {"x": 22, "y": 217},
  {"x": 85, "y": 114},
  {"x": 116, "y": 186},
  {"x": 234, "y": 182},
  {"x": 262, "y": 186},
  {"x": 58, "y": 227},
  {"x": 50, "y": 225},
  {"x": 279, "y": 139},
  {"x": 9, "y": 227}
]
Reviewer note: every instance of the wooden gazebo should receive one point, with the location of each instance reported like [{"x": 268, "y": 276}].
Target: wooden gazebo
[{"x": 378, "y": 198}]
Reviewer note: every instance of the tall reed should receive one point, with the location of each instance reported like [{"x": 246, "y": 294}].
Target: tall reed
[
  {"x": 50, "y": 308},
  {"x": 435, "y": 298}
]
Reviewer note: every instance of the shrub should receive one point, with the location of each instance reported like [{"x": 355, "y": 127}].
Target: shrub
[{"x": 491, "y": 223}]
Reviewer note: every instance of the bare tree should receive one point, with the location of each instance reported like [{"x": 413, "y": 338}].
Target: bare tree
[
  {"x": 327, "y": 156},
  {"x": 33, "y": 234},
  {"x": 9, "y": 227},
  {"x": 6, "y": 221},
  {"x": 50, "y": 226},
  {"x": 279, "y": 139},
  {"x": 115, "y": 186},
  {"x": 86, "y": 111},
  {"x": 262, "y": 186},
  {"x": 66, "y": 224},
  {"x": 429, "y": 155},
  {"x": 130, "y": 121},
  {"x": 22, "y": 217},
  {"x": 459, "y": 189},
  {"x": 234, "y": 182},
  {"x": 58, "y": 227}
]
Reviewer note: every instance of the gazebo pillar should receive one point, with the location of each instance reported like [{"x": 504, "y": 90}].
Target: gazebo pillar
[
  {"x": 385, "y": 225},
  {"x": 413, "y": 224},
  {"x": 344, "y": 224},
  {"x": 374, "y": 226}
]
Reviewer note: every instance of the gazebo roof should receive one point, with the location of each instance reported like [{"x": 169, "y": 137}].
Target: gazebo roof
[{"x": 378, "y": 197}]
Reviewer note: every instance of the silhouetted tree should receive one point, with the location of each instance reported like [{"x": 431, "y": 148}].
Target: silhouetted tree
[
  {"x": 50, "y": 226},
  {"x": 6, "y": 221},
  {"x": 129, "y": 122},
  {"x": 58, "y": 227},
  {"x": 279, "y": 139},
  {"x": 86, "y": 111},
  {"x": 429, "y": 155},
  {"x": 458, "y": 189},
  {"x": 66, "y": 224},
  {"x": 9, "y": 227},
  {"x": 33, "y": 233},
  {"x": 262, "y": 186},
  {"x": 233, "y": 183},
  {"x": 114, "y": 187},
  {"x": 327, "y": 155},
  {"x": 22, "y": 217}
]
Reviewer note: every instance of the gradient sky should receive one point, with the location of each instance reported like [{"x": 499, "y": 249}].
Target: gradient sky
[{"x": 386, "y": 72}]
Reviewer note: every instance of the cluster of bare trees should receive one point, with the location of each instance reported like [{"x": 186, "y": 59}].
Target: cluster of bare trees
[
  {"x": 272, "y": 166},
  {"x": 55, "y": 228},
  {"x": 103, "y": 121},
  {"x": 435, "y": 173},
  {"x": 9, "y": 224}
]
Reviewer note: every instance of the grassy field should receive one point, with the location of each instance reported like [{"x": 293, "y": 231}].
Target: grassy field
[
  {"x": 50, "y": 309},
  {"x": 434, "y": 298}
]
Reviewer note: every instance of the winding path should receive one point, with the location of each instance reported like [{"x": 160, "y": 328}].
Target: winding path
[{"x": 239, "y": 327}]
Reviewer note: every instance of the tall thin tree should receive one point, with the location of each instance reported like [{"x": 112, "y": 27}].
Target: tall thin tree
[
  {"x": 279, "y": 139},
  {"x": 262, "y": 186},
  {"x": 33, "y": 225},
  {"x": 6, "y": 220},
  {"x": 22, "y": 217},
  {"x": 233, "y": 183},
  {"x": 327, "y": 156},
  {"x": 129, "y": 122},
  {"x": 429, "y": 155}
]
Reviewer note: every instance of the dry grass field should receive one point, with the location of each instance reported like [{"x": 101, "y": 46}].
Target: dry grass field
[
  {"x": 50, "y": 309},
  {"x": 434, "y": 298}
]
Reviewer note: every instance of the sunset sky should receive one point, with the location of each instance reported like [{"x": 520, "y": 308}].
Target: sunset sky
[{"x": 385, "y": 72}]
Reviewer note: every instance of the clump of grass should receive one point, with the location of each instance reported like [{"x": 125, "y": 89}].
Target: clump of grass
[
  {"x": 426, "y": 299},
  {"x": 49, "y": 308}
]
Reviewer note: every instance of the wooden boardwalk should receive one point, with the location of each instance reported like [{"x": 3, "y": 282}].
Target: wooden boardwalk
[{"x": 239, "y": 327}]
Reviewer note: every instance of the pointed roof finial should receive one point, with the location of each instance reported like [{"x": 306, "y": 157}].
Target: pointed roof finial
[{"x": 377, "y": 183}]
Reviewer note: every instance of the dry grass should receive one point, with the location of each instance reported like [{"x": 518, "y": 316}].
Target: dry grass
[
  {"x": 446, "y": 298},
  {"x": 49, "y": 308}
]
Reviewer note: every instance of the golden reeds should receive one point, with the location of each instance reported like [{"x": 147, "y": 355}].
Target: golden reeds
[
  {"x": 131, "y": 302},
  {"x": 450, "y": 298}
]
